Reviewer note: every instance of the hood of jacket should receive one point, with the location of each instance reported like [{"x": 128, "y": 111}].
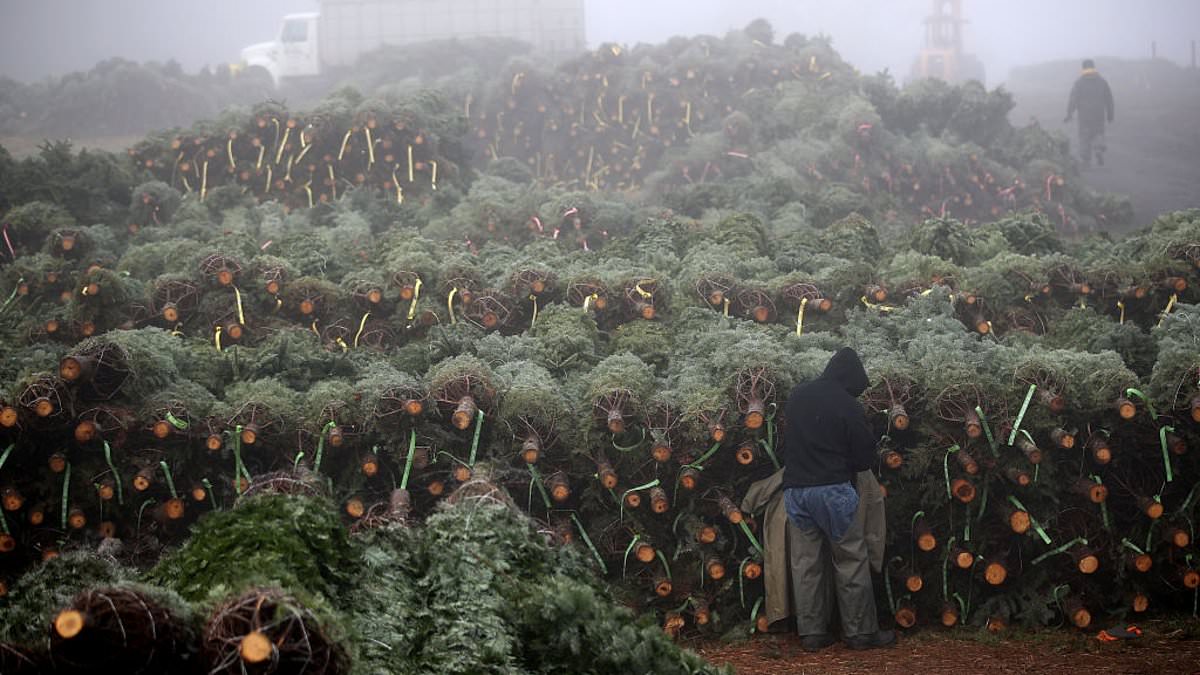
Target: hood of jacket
[{"x": 846, "y": 369}]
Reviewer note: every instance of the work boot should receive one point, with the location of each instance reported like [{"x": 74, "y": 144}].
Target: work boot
[
  {"x": 883, "y": 638},
  {"x": 815, "y": 643}
]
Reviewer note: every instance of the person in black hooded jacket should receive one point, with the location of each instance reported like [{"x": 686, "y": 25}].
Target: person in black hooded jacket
[{"x": 826, "y": 442}]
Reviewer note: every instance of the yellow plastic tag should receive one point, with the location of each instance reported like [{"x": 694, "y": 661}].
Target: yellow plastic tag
[
  {"x": 361, "y": 325},
  {"x": 800, "y": 316},
  {"x": 412, "y": 307}
]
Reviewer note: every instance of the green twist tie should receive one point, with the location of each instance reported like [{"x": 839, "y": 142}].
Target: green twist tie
[
  {"x": 987, "y": 487},
  {"x": 12, "y": 295},
  {"x": 646, "y": 486},
  {"x": 321, "y": 445},
  {"x": 6, "y": 453},
  {"x": 212, "y": 497},
  {"x": 629, "y": 448},
  {"x": 750, "y": 535},
  {"x": 742, "y": 581},
  {"x": 170, "y": 481},
  {"x": 1021, "y": 415},
  {"x": 408, "y": 462},
  {"x": 663, "y": 559},
  {"x": 628, "y": 550},
  {"x": 536, "y": 479},
  {"x": 699, "y": 463},
  {"x": 475, "y": 440},
  {"x": 238, "y": 469},
  {"x": 913, "y": 523},
  {"x": 754, "y": 615},
  {"x": 1132, "y": 546},
  {"x": 1166, "y": 454},
  {"x": 946, "y": 470},
  {"x": 1037, "y": 527},
  {"x": 987, "y": 430},
  {"x": 887, "y": 585},
  {"x": 1137, "y": 393},
  {"x": 1103, "y": 505},
  {"x": 946, "y": 569},
  {"x": 588, "y": 540},
  {"x": 142, "y": 509},
  {"x": 769, "y": 443},
  {"x": 181, "y": 425},
  {"x": 66, "y": 492},
  {"x": 1187, "y": 503},
  {"x": 3, "y": 523},
  {"x": 1061, "y": 549}
]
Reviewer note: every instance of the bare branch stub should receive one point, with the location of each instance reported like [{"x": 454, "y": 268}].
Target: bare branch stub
[
  {"x": 174, "y": 299},
  {"x": 797, "y": 293},
  {"x": 257, "y": 422},
  {"x": 531, "y": 281},
  {"x": 663, "y": 422},
  {"x": 640, "y": 298},
  {"x": 592, "y": 292},
  {"x": 489, "y": 310},
  {"x": 406, "y": 282},
  {"x": 339, "y": 335},
  {"x": 398, "y": 403},
  {"x": 273, "y": 280},
  {"x": 958, "y": 404},
  {"x": 265, "y": 625},
  {"x": 108, "y": 423},
  {"x": 47, "y": 399},
  {"x": 1051, "y": 384},
  {"x": 101, "y": 370},
  {"x": 373, "y": 334},
  {"x": 1070, "y": 279},
  {"x": 754, "y": 388},
  {"x": 396, "y": 511},
  {"x": 613, "y": 408},
  {"x": 118, "y": 630},
  {"x": 368, "y": 295},
  {"x": 299, "y": 481},
  {"x": 220, "y": 269},
  {"x": 463, "y": 397},
  {"x": 714, "y": 289},
  {"x": 464, "y": 284},
  {"x": 755, "y": 304},
  {"x": 892, "y": 395}
]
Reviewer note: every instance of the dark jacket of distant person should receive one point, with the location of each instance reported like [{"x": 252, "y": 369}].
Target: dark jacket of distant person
[
  {"x": 827, "y": 439},
  {"x": 1092, "y": 98}
]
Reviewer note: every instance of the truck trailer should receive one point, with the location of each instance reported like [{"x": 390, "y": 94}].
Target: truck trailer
[{"x": 313, "y": 44}]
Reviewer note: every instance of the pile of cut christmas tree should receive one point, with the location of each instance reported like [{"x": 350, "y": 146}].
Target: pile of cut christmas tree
[
  {"x": 742, "y": 122},
  {"x": 205, "y": 391}
]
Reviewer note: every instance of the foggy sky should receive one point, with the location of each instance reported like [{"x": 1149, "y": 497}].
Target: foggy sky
[{"x": 39, "y": 38}]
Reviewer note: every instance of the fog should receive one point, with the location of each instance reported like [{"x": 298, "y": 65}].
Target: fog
[{"x": 52, "y": 37}]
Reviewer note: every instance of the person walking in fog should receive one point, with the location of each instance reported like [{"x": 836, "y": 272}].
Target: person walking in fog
[
  {"x": 826, "y": 442},
  {"x": 1092, "y": 98}
]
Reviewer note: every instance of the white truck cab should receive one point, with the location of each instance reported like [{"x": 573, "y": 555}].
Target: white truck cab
[
  {"x": 295, "y": 53},
  {"x": 318, "y": 43}
]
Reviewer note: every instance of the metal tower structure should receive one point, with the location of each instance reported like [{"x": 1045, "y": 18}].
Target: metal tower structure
[{"x": 942, "y": 56}]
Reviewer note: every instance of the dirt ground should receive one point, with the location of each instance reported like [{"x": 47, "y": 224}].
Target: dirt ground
[{"x": 1162, "y": 650}]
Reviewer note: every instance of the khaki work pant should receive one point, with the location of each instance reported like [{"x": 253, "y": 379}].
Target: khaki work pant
[{"x": 825, "y": 571}]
